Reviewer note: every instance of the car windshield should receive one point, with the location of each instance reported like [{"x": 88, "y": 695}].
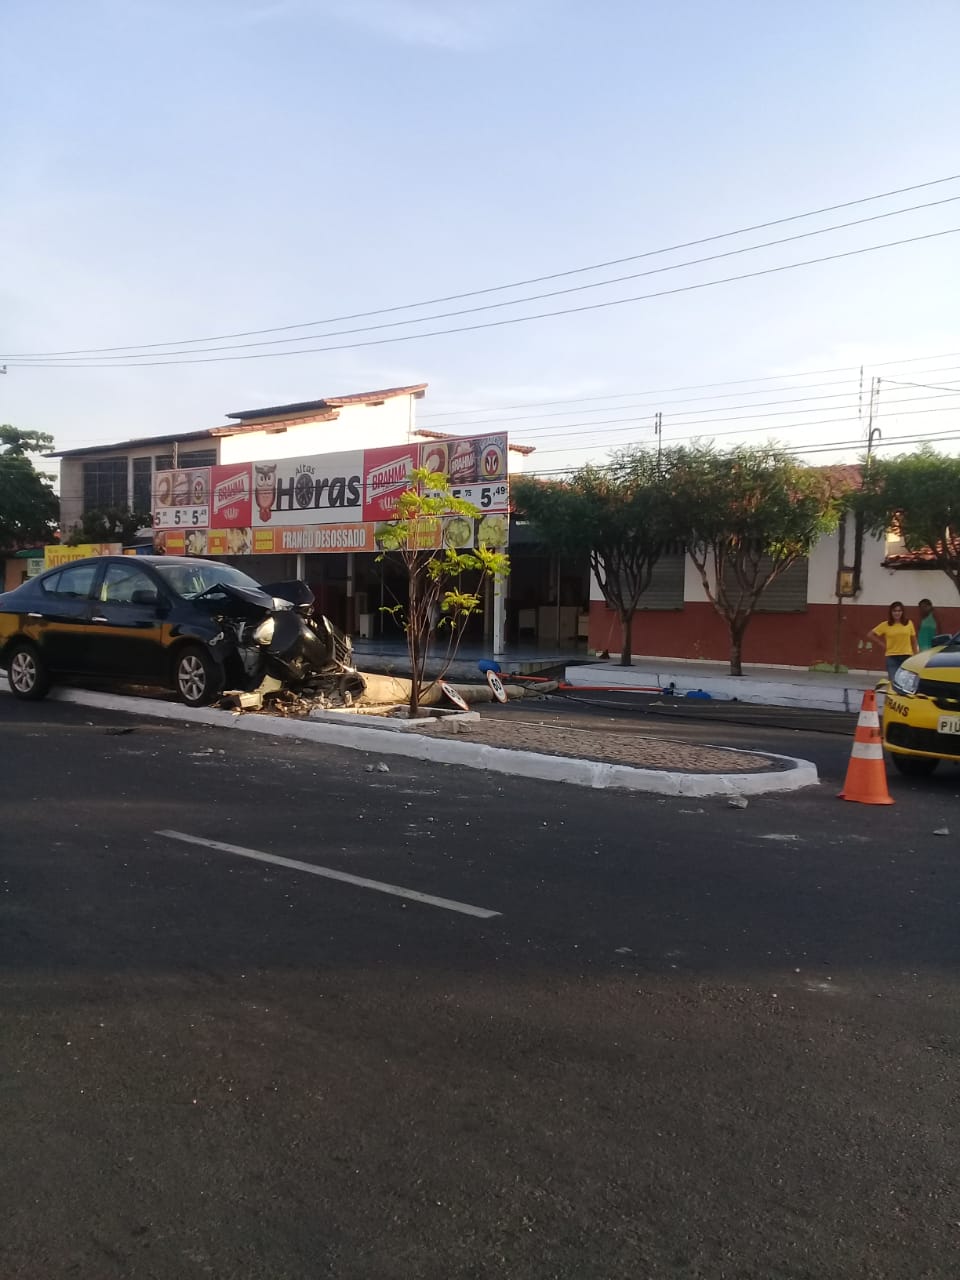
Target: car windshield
[{"x": 191, "y": 580}]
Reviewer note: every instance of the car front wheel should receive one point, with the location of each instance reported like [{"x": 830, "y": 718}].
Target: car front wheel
[
  {"x": 914, "y": 766},
  {"x": 197, "y": 678},
  {"x": 27, "y": 672}
]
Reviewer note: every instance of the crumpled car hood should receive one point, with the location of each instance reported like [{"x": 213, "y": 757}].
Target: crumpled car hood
[{"x": 240, "y": 602}]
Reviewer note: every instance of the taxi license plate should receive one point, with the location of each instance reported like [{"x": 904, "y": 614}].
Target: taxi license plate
[{"x": 948, "y": 724}]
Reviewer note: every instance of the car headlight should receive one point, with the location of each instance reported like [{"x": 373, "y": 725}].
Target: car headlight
[
  {"x": 263, "y": 634},
  {"x": 906, "y": 681}
]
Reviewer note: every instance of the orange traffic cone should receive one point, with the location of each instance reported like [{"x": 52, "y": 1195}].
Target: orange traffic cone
[{"x": 866, "y": 780}]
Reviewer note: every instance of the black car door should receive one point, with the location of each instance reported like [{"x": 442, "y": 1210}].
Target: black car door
[
  {"x": 57, "y": 615},
  {"x": 125, "y": 631}
]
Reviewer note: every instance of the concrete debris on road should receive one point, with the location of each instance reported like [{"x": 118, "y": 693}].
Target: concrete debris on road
[
  {"x": 737, "y": 802},
  {"x": 942, "y": 831}
]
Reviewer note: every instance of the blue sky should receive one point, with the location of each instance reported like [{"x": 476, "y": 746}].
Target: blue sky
[{"x": 177, "y": 168}]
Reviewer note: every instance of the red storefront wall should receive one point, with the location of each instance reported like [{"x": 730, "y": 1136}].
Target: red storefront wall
[{"x": 779, "y": 639}]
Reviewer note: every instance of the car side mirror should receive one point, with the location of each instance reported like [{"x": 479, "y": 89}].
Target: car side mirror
[{"x": 144, "y": 597}]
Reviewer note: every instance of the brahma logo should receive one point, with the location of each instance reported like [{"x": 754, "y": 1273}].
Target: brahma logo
[
  {"x": 231, "y": 490},
  {"x": 392, "y": 475}
]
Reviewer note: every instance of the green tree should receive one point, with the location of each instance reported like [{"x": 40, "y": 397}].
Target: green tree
[
  {"x": 29, "y": 508},
  {"x": 109, "y": 524},
  {"x": 433, "y": 573},
  {"x": 624, "y": 514},
  {"x": 917, "y": 495},
  {"x": 750, "y": 513}
]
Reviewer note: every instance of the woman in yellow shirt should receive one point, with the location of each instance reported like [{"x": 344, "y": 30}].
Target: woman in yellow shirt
[{"x": 899, "y": 635}]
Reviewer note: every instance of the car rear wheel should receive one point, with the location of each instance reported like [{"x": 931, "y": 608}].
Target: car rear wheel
[
  {"x": 27, "y": 672},
  {"x": 914, "y": 766},
  {"x": 197, "y": 679}
]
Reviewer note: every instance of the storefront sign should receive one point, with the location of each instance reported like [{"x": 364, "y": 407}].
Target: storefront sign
[
  {"x": 229, "y": 542},
  {"x": 386, "y": 474},
  {"x": 55, "y": 555},
  {"x": 326, "y": 489},
  {"x": 181, "y": 499},
  {"x": 231, "y": 490},
  {"x": 476, "y": 469},
  {"x": 314, "y": 539},
  {"x": 330, "y": 502}
]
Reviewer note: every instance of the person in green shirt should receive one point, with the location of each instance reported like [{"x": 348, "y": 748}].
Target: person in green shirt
[{"x": 928, "y": 624}]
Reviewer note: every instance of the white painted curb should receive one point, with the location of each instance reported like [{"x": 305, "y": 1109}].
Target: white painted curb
[
  {"x": 470, "y": 755},
  {"x": 748, "y": 689}
]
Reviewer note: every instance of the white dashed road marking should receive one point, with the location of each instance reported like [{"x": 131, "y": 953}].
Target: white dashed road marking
[{"x": 361, "y": 882}]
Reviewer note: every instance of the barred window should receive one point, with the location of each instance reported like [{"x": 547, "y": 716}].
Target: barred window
[
  {"x": 198, "y": 458},
  {"x": 142, "y": 482},
  {"x": 104, "y": 483}
]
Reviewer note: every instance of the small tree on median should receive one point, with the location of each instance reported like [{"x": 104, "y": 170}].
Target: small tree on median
[
  {"x": 750, "y": 513},
  {"x": 433, "y": 570},
  {"x": 916, "y": 495},
  {"x": 623, "y": 514}
]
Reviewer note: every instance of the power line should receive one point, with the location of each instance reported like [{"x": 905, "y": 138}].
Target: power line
[
  {"x": 122, "y": 360},
  {"x": 590, "y": 428},
  {"x": 927, "y": 385},
  {"x": 515, "y": 284},
  {"x": 533, "y": 431},
  {"x": 665, "y": 406},
  {"x": 699, "y": 386},
  {"x": 948, "y": 435},
  {"x": 819, "y": 422},
  {"x": 511, "y": 320},
  {"x": 830, "y": 446}
]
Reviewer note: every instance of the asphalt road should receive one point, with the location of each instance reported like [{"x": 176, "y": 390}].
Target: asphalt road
[{"x": 695, "y": 1042}]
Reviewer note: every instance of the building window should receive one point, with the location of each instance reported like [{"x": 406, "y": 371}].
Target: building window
[
  {"x": 163, "y": 462},
  {"x": 142, "y": 482},
  {"x": 788, "y": 592},
  {"x": 198, "y": 458},
  {"x": 666, "y": 583},
  {"x": 104, "y": 483}
]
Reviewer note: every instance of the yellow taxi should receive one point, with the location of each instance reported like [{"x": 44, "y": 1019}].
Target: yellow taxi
[{"x": 921, "y": 714}]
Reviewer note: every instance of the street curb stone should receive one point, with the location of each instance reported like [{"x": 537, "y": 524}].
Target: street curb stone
[{"x": 794, "y": 773}]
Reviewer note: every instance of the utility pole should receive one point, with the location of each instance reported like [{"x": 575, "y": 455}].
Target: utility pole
[
  {"x": 873, "y": 433},
  {"x": 658, "y": 432}
]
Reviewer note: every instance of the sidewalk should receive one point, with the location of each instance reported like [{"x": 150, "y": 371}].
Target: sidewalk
[{"x": 763, "y": 685}]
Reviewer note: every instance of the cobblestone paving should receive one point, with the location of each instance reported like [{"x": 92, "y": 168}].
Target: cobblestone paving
[{"x": 613, "y": 748}]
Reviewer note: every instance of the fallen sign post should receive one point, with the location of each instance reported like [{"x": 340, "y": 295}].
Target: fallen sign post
[
  {"x": 454, "y": 695},
  {"x": 496, "y": 684}
]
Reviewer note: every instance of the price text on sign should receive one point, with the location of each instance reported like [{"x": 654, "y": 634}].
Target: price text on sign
[
  {"x": 488, "y": 497},
  {"x": 181, "y": 518}
]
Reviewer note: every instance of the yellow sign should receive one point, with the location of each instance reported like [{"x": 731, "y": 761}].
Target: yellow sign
[{"x": 57, "y": 554}]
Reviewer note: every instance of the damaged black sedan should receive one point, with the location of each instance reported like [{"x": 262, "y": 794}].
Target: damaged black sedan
[{"x": 196, "y": 626}]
